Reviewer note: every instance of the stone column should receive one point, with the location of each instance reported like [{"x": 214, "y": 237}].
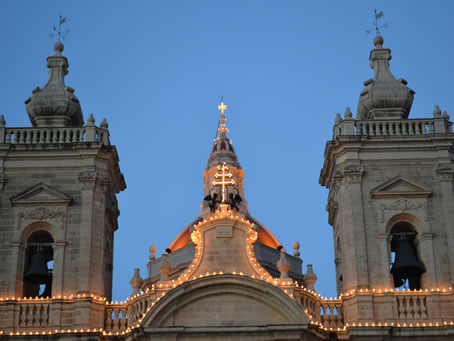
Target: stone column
[
  {"x": 424, "y": 246},
  {"x": 16, "y": 270},
  {"x": 356, "y": 273},
  {"x": 59, "y": 258},
  {"x": 385, "y": 279},
  {"x": 87, "y": 182},
  {"x": 445, "y": 175}
]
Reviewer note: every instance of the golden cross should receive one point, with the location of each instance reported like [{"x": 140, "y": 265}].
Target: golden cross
[
  {"x": 222, "y": 107},
  {"x": 226, "y": 180}
]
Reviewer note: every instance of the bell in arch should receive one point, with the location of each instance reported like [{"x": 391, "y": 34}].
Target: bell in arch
[
  {"x": 406, "y": 263},
  {"x": 38, "y": 273}
]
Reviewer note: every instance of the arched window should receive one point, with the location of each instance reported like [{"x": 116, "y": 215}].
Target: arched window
[
  {"x": 39, "y": 257},
  {"x": 406, "y": 265}
]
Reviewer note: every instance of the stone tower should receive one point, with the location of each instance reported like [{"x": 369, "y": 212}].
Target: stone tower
[
  {"x": 59, "y": 181},
  {"x": 390, "y": 190}
]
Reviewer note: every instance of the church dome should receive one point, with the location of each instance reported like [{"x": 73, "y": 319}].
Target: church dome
[
  {"x": 55, "y": 105},
  {"x": 384, "y": 96}
]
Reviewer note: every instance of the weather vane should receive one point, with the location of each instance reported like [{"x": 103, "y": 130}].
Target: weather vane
[
  {"x": 376, "y": 25},
  {"x": 58, "y": 32}
]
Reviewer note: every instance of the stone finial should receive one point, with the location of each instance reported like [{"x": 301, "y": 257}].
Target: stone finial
[
  {"x": 445, "y": 115},
  {"x": 348, "y": 113},
  {"x": 338, "y": 119},
  {"x": 58, "y": 48},
  {"x": 91, "y": 120},
  {"x": 164, "y": 268},
  {"x": 152, "y": 253},
  {"x": 283, "y": 265},
  {"x": 384, "y": 96},
  {"x": 310, "y": 277},
  {"x": 437, "y": 111},
  {"x": 136, "y": 282},
  {"x": 104, "y": 124},
  {"x": 296, "y": 247},
  {"x": 2, "y": 121},
  {"x": 55, "y": 105}
]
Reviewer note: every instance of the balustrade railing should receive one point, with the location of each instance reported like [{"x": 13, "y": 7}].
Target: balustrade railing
[
  {"x": 116, "y": 318},
  {"x": 34, "y": 315},
  {"x": 380, "y": 127},
  {"x": 63, "y": 135},
  {"x": 331, "y": 313},
  {"x": 412, "y": 307}
]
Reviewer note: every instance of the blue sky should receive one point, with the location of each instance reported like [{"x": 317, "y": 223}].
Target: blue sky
[{"x": 157, "y": 69}]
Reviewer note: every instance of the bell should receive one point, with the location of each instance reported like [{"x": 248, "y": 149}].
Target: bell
[
  {"x": 38, "y": 273},
  {"x": 406, "y": 264}
]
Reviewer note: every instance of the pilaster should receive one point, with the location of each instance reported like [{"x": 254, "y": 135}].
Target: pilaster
[{"x": 445, "y": 177}]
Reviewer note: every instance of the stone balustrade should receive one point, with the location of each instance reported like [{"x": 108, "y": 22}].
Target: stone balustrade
[
  {"x": 407, "y": 127},
  {"x": 396, "y": 308},
  {"x": 51, "y": 135},
  {"x": 116, "y": 317},
  {"x": 33, "y": 315}
]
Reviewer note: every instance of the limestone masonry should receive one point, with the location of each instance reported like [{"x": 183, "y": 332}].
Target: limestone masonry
[{"x": 226, "y": 276}]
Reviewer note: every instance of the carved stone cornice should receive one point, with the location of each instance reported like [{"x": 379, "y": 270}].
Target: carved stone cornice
[
  {"x": 87, "y": 180},
  {"x": 106, "y": 184},
  {"x": 445, "y": 173},
  {"x": 41, "y": 213}
]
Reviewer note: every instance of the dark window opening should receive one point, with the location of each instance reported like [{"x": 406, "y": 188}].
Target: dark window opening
[
  {"x": 39, "y": 263},
  {"x": 406, "y": 266}
]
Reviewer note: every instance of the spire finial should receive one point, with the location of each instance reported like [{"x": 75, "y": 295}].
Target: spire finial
[
  {"x": 222, "y": 130},
  {"x": 222, "y": 106}
]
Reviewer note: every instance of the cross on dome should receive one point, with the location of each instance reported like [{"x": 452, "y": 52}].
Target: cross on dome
[
  {"x": 226, "y": 180},
  {"x": 222, "y": 107}
]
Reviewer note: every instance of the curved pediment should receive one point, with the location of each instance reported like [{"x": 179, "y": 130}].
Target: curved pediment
[{"x": 225, "y": 301}]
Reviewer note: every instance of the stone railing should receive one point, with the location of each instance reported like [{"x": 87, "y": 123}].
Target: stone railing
[
  {"x": 413, "y": 307},
  {"x": 33, "y": 315},
  {"x": 407, "y": 127},
  {"x": 116, "y": 319},
  {"x": 41, "y": 136},
  {"x": 331, "y": 313}
]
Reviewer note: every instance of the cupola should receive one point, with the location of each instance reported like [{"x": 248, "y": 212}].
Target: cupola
[
  {"x": 55, "y": 105},
  {"x": 384, "y": 96}
]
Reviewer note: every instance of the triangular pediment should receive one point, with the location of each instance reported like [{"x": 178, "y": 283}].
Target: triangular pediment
[
  {"x": 41, "y": 194},
  {"x": 400, "y": 187}
]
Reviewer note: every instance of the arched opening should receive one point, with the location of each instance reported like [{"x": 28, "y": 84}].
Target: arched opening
[
  {"x": 406, "y": 265},
  {"x": 38, "y": 265}
]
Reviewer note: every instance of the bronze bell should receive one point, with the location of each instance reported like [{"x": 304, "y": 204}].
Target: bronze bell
[
  {"x": 406, "y": 264},
  {"x": 38, "y": 273}
]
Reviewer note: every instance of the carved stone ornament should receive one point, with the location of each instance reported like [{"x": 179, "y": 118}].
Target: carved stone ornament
[
  {"x": 41, "y": 213},
  {"x": 87, "y": 179},
  {"x": 445, "y": 172},
  {"x": 353, "y": 174},
  {"x": 403, "y": 205}
]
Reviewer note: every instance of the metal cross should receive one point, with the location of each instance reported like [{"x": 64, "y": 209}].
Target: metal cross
[
  {"x": 222, "y": 107},
  {"x": 226, "y": 180}
]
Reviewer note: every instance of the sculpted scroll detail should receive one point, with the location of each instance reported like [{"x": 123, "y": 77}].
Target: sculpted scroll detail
[
  {"x": 403, "y": 205},
  {"x": 41, "y": 213}
]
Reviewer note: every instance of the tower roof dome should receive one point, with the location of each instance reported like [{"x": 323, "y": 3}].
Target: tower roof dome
[
  {"x": 384, "y": 96},
  {"x": 55, "y": 105}
]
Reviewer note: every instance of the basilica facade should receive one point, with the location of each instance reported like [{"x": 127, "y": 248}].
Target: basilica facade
[{"x": 226, "y": 276}]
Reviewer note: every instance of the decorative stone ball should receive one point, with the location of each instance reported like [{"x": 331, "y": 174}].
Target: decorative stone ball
[
  {"x": 152, "y": 249},
  {"x": 378, "y": 41},
  {"x": 59, "y": 47}
]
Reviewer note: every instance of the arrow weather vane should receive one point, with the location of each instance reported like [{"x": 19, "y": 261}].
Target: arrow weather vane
[
  {"x": 377, "y": 27},
  {"x": 58, "y": 32}
]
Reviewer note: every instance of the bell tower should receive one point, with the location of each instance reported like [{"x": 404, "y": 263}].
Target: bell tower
[
  {"x": 390, "y": 189},
  {"x": 58, "y": 185}
]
